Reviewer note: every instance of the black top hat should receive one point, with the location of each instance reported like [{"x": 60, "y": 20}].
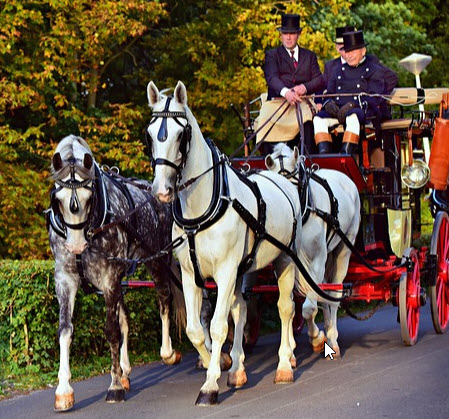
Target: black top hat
[
  {"x": 353, "y": 40},
  {"x": 290, "y": 23},
  {"x": 340, "y": 31}
]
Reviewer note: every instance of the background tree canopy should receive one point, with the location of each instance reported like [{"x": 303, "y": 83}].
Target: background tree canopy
[{"x": 82, "y": 66}]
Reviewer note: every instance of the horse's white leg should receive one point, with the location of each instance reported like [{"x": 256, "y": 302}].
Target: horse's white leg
[
  {"x": 342, "y": 255},
  {"x": 225, "y": 279},
  {"x": 66, "y": 292},
  {"x": 114, "y": 299},
  {"x": 193, "y": 298},
  {"x": 316, "y": 336},
  {"x": 291, "y": 338},
  {"x": 124, "y": 359},
  {"x": 237, "y": 374},
  {"x": 286, "y": 271}
]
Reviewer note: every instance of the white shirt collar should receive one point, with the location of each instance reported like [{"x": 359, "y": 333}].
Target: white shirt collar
[{"x": 296, "y": 55}]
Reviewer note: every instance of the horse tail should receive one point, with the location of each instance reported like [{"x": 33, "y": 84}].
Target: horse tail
[{"x": 179, "y": 306}]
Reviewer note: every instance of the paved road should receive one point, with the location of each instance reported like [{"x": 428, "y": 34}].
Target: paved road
[{"x": 377, "y": 377}]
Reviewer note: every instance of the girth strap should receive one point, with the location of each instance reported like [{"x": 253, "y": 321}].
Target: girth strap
[{"x": 256, "y": 226}]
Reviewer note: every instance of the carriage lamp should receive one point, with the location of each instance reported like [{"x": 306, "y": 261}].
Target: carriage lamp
[
  {"x": 415, "y": 64},
  {"x": 417, "y": 175}
]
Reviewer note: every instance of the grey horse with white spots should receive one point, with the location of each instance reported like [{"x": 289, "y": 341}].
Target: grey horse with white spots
[{"x": 97, "y": 224}]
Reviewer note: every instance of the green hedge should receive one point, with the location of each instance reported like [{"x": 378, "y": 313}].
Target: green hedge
[{"x": 29, "y": 319}]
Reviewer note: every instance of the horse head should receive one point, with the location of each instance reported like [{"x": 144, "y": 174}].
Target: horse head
[
  {"x": 72, "y": 198},
  {"x": 168, "y": 136},
  {"x": 283, "y": 160}
]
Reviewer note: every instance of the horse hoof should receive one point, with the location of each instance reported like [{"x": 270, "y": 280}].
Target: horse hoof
[
  {"x": 64, "y": 402},
  {"x": 126, "y": 383},
  {"x": 321, "y": 339},
  {"x": 283, "y": 377},
  {"x": 115, "y": 396},
  {"x": 173, "y": 359},
  {"x": 225, "y": 361},
  {"x": 207, "y": 399},
  {"x": 237, "y": 379},
  {"x": 293, "y": 362}
]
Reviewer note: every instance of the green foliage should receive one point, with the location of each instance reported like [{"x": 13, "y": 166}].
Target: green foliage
[
  {"x": 29, "y": 322},
  {"x": 82, "y": 67}
]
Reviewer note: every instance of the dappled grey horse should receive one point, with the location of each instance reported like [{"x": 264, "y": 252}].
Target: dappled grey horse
[{"x": 99, "y": 226}]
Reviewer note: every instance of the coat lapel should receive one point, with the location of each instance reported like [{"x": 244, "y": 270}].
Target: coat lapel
[{"x": 285, "y": 57}]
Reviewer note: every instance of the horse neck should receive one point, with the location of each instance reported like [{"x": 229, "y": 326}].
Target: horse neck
[{"x": 195, "y": 199}]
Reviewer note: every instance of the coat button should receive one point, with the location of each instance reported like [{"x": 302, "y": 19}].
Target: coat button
[
  {"x": 339, "y": 77},
  {"x": 367, "y": 69},
  {"x": 355, "y": 97},
  {"x": 343, "y": 68},
  {"x": 339, "y": 87},
  {"x": 358, "y": 86},
  {"x": 338, "y": 97}
]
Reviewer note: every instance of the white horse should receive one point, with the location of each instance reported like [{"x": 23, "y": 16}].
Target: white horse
[
  {"x": 208, "y": 213},
  {"x": 315, "y": 245}
]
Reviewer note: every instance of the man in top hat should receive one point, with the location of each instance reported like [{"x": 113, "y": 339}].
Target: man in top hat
[
  {"x": 349, "y": 106},
  {"x": 390, "y": 77},
  {"x": 292, "y": 71}
]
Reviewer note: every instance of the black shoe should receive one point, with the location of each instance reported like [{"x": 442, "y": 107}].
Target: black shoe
[
  {"x": 325, "y": 147},
  {"x": 348, "y": 148}
]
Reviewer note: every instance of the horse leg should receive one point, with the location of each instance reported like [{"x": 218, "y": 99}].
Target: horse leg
[
  {"x": 316, "y": 336},
  {"x": 66, "y": 292},
  {"x": 124, "y": 359},
  {"x": 206, "y": 316},
  {"x": 193, "y": 298},
  {"x": 237, "y": 374},
  {"x": 161, "y": 279},
  {"x": 342, "y": 255},
  {"x": 113, "y": 298},
  {"x": 286, "y": 280},
  {"x": 219, "y": 330}
]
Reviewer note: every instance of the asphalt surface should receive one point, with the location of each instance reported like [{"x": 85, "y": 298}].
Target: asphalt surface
[{"x": 377, "y": 377}]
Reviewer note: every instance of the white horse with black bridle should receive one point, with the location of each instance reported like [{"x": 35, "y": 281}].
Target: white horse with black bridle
[
  {"x": 333, "y": 193},
  {"x": 217, "y": 210}
]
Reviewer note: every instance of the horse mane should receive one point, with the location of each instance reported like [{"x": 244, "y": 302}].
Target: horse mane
[
  {"x": 279, "y": 148},
  {"x": 66, "y": 150}
]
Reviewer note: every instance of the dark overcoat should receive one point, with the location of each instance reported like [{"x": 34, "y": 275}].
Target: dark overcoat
[{"x": 280, "y": 71}]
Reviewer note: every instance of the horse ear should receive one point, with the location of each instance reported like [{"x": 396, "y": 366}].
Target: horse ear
[
  {"x": 88, "y": 161},
  {"x": 296, "y": 153},
  {"x": 56, "y": 161},
  {"x": 181, "y": 93},
  {"x": 269, "y": 162},
  {"x": 153, "y": 94}
]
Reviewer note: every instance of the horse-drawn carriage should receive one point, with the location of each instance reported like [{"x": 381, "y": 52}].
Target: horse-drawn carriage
[
  {"x": 231, "y": 223},
  {"x": 384, "y": 265}
]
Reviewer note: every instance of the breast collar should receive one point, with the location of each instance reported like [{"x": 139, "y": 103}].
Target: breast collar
[{"x": 219, "y": 201}]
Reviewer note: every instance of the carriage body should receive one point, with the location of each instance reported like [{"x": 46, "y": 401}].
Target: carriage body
[{"x": 392, "y": 270}]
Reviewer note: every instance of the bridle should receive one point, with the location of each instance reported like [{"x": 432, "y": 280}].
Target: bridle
[
  {"x": 283, "y": 171},
  {"x": 73, "y": 184},
  {"x": 162, "y": 136}
]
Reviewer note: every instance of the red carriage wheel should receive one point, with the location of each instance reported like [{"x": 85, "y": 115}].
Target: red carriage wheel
[
  {"x": 409, "y": 300},
  {"x": 439, "y": 293}
]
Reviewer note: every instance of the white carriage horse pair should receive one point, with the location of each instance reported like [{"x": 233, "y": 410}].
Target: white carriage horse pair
[{"x": 209, "y": 213}]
